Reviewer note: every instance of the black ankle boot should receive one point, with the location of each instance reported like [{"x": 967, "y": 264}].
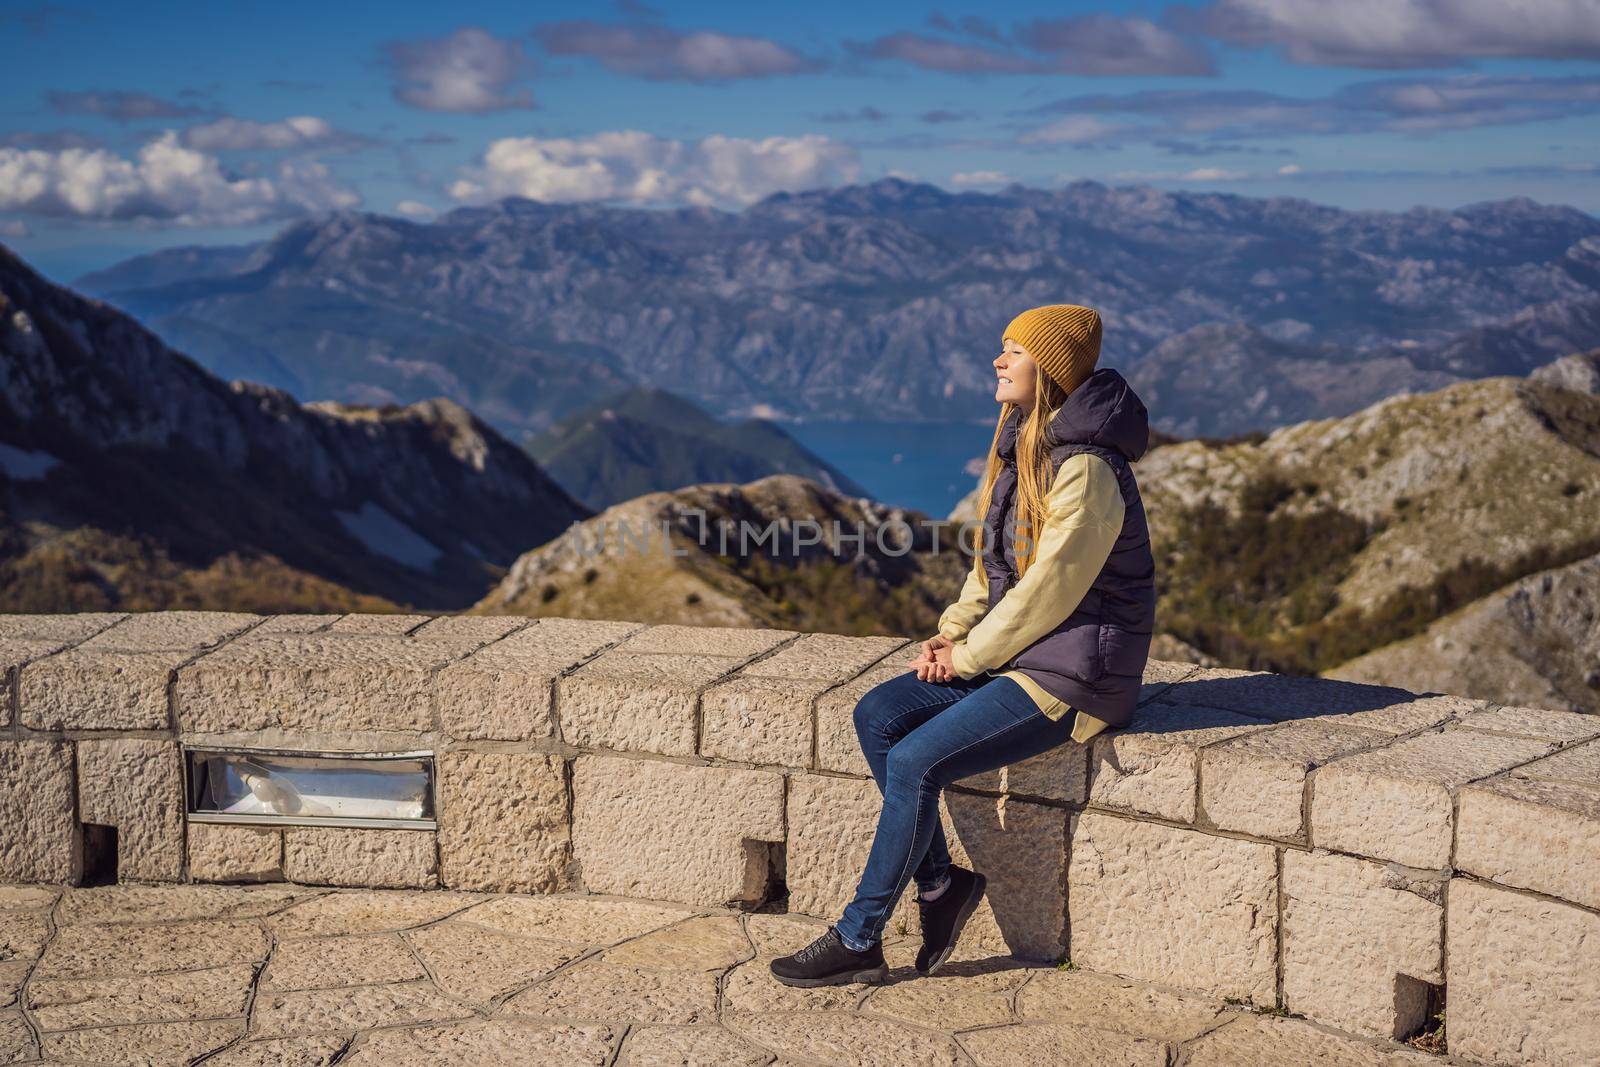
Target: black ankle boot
[
  {"x": 942, "y": 919},
  {"x": 829, "y": 961}
]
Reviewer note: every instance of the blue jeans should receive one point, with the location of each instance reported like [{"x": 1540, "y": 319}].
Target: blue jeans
[{"x": 919, "y": 737}]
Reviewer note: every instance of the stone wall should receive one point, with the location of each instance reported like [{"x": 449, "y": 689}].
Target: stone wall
[{"x": 1350, "y": 853}]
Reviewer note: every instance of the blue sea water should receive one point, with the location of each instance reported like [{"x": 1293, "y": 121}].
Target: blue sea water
[{"x": 911, "y": 464}]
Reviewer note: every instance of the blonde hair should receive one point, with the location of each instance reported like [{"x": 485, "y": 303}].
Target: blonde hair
[{"x": 1034, "y": 473}]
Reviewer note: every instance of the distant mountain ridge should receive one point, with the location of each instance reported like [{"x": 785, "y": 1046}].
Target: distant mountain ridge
[
  {"x": 765, "y": 553},
  {"x": 884, "y": 300},
  {"x": 132, "y": 477},
  {"x": 644, "y": 440}
]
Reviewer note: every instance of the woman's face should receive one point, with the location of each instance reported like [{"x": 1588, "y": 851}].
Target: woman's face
[{"x": 1016, "y": 373}]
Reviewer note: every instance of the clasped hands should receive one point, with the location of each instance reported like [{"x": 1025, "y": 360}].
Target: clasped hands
[{"x": 933, "y": 663}]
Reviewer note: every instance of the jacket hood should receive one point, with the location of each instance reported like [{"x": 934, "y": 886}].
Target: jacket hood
[{"x": 1103, "y": 410}]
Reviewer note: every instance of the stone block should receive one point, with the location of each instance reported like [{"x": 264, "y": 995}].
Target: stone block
[
  {"x": 503, "y": 822},
  {"x": 61, "y": 629},
  {"x": 764, "y": 713},
  {"x": 39, "y": 833},
  {"x": 321, "y": 682},
  {"x": 118, "y": 679},
  {"x": 760, "y": 720},
  {"x": 838, "y": 749},
  {"x": 1019, "y": 846},
  {"x": 1256, "y": 783},
  {"x": 1523, "y": 977},
  {"x": 735, "y": 641},
  {"x": 825, "y": 657},
  {"x": 1060, "y": 1043},
  {"x": 14, "y": 653},
  {"x": 488, "y": 1042},
  {"x": 1161, "y": 675},
  {"x": 1357, "y": 950},
  {"x": 638, "y": 702},
  {"x": 143, "y": 1043},
  {"x": 112, "y": 905},
  {"x": 221, "y": 853},
  {"x": 831, "y": 824},
  {"x": 1022, "y": 849},
  {"x": 99, "y": 689},
  {"x": 136, "y": 786},
  {"x": 298, "y": 623},
  {"x": 834, "y": 1037},
  {"x": 586, "y": 922},
  {"x": 1397, "y": 804},
  {"x": 340, "y": 961},
  {"x": 336, "y": 855},
  {"x": 1579, "y": 765},
  {"x": 70, "y": 1003},
  {"x": 378, "y": 624},
  {"x": 485, "y": 628},
  {"x": 22, "y": 640},
  {"x": 1116, "y": 1004},
  {"x": 505, "y": 690},
  {"x": 670, "y": 831},
  {"x": 1531, "y": 833},
  {"x": 316, "y": 1050},
  {"x": 478, "y": 964},
  {"x": 170, "y": 631},
  {"x": 595, "y": 990},
  {"x": 1175, "y": 906},
  {"x": 1267, "y": 1041},
  {"x": 353, "y": 1008},
  {"x": 1281, "y": 698},
  {"x": 365, "y": 912},
  {"x": 1060, "y": 773},
  {"x": 1541, "y": 723},
  {"x": 1153, "y": 765},
  {"x": 89, "y": 950}
]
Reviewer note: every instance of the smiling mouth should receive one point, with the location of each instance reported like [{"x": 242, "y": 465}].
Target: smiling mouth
[{"x": 1005, "y": 381}]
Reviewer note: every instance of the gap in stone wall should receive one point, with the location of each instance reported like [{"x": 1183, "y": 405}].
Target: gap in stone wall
[
  {"x": 99, "y": 845},
  {"x": 1419, "y": 1006}
]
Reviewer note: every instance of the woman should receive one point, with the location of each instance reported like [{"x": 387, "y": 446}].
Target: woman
[{"x": 1046, "y": 644}]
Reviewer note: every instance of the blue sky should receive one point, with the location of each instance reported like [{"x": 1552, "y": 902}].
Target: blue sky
[{"x": 128, "y": 127}]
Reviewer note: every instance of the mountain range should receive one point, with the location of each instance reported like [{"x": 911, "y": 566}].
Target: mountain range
[
  {"x": 779, "y": 551},
  {"x": 883, "y": 301},
  {"x": 646, "y": 440},
  {"x": 131, "y": 477}
]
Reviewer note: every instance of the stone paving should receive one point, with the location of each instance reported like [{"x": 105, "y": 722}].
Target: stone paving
[{"x": 303, "y": 976}]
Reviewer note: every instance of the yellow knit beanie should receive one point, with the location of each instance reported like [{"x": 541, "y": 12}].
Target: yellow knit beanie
[{"x": 1064, "y": 339}]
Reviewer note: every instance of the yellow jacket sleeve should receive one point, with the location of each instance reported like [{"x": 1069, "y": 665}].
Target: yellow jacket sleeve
[
  {"x": 1083, "y": 517},
  {"x": 968, "y": 608}
]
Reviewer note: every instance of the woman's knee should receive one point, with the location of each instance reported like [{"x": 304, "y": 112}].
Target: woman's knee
[
  {"x": 876, "y": 706},
  {"x": 911, "y": 765}
]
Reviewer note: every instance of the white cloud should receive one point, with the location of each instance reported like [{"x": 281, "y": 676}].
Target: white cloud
[
  {"x": 470, "y": 70},
  {"x": 1289, "y": 168},
  {"x": 1404, "y": 105},
  {"x": 167, "y": 183},
  {"x": 666, "y": 54},
  {"x": 969, "y": 178},
  {"x": 637, "y": 167},
  {"x": 239, "y": 135},
  {"x": 1073, "y": 129},
  {"x": 1198, "y": 174},
  {"x": 415, "y": 209},
  {"x": 14, "y": 228},
  {"x": 1406, "y": 33}
]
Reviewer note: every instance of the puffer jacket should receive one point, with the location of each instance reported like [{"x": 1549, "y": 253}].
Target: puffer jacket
[{"x": 1094, "y": 660}]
